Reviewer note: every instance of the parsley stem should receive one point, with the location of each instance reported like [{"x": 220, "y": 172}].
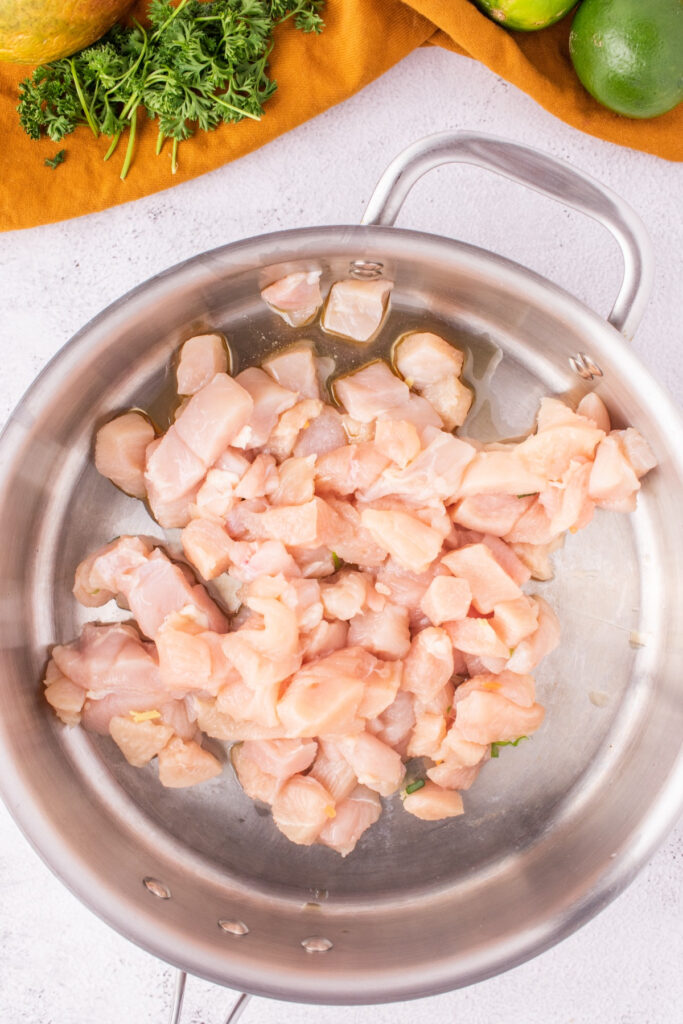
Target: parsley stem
[
  {"x": 176, "y": 12},
  {"x": 113, "y": 145},
  {"x": 81, "y": 97},
  {"x": 237, "y": 110},
  {"x": 131, "y": 142},
  {"x": 160, "y": 142},
  {"x": 174, "y": 157},
  {"x": 133, "y": 68}
]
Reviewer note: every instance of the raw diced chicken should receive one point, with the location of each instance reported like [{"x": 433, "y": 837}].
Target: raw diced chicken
[
  {"x": 381, "y": 691},
  {"x": 431, "y": 803},
  {"x": 355, "y": 814},
  {"x": 476, "y": 636},
  {"x": 120, "y": 448},
  {"x": 323, "y": 697},
  {"x": 354, "y": 467},
  {"x": 98, "y": 576},
  {"x": 296, "y": 482},
  {"x": 325, "y": 433},
  {"x": 208, "y": 547},
  {"x": 427, "y": 736},
  {"x": 513, "y": 620},
  {"x": 461, "y": 752},
  {"x": 425, "y": 358},
  {"x": 296, "y": 297},
  {"x": 257, "y": 784},
  {"x": 446, "y": 598},
  {"x": 536, "y": 557},
  {"x": 371, "y": 391},
  {"x": 429, "y": 663},
  {"x": 500, "y": 472},
  {"x": 302, "y": 808},
  {"x": 201, "y": 358},
  {"x": 394, "y": 726},
  {"x": 593, "y": 408},
  {"x": 213, "y": 417},
  {"x": 385, "y": 633},
  {"x": 172, "y": 472},
  {"x": 139, "y": 741},
  {"x": 260, "y": 479},
  {"x": 281, "y": 758},
  {"x": 324, "y": 639},
  {"x": 332, "y": 771},
  {"x": 355, "y": 309},
  {"x": 285, "y": 435},
  {"x": 611, "y": 476},
  {"x": 269, "y": 399},
  {"x": 453, "y": 776},
  {"x": 404, "y": 537},
  {"x": 507, "y": 559},
  {"x": 66, "y": 698},
  {"x": 398, "y": 441},
  {"x": 451, "y": 399},
  {"x": 310, "y": 525},
  {"x": 491, "y": 513},
  {"x": 295, "y": 369},
  {"x": 549, "y": 452},
  {"x": 353, "y": 543},
  {"x": 517, "y": 688},
  {"x": 567, "y": 504},
  {"x": 636, "y": 449},
  {"x": 184, "y": 763},
  {"x": 488, "y": 581},
  {"x": 345, "y": 597},
  {"x": 435, "y": 474},
  {"x": 485, "y": 717},
  {"x": 530, "y": 651},
  {"x": 375, "y": 764},
  {"x": 159, "y": 587}
]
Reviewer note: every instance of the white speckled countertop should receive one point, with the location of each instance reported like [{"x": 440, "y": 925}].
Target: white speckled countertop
[{"x": 58, "y": 963}]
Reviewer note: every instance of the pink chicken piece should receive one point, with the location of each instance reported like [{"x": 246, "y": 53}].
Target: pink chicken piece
[
  {"x": 324, "y": 639},
  {"x": 394, "y": 726},
  {"x": 561, "y": 437},
  {"x": 209, "y": 547},
  {"x": 535, "y": 526},
  {"x": 398, "y": 441},
  {"x": 332, "y": 771},
  {"x": 424, "y": 358},
  {"x": 97, "y": 579},
  {"x": 159, "y": 587},
  {"x": 381, "y": 690},
  {"x": 374, "y": 763},
  {"x": 432, "y": 803},
  {"x": 500, "y": 472},
  {"x": 64, "y": 697},
  {"x": 325, "y": 433},
  {"x": 568, "y": 505},
  {"x": 223, "y": 726},
  {"x": 190, "y": 656},
  {"x": 302, "y": 808},
  {"x": 256, "y": 783},
  {"x": 183, "y": 763},
  {"x": 536, "y": 557},
  {"x": 324, "y": 696},
  {"x": 446, "y": 598},
  {"x": 507, "y": 559},
  {"x": 434, "y": 474},
  {"x": 291, "y": 425},
  {"x": 386, "y": 633},
  {"x": 139, "y": 741},
  {"x": 354, "y": 815},
  {"x": 612, "y": 477},
  {"x": 311, "y": 525},
  {"x": 594, "y": 409},
  {"x": 451, "y": 399},
  {"x": 514, "y": 620},
  {"x": 413, "y": 544},
  {"x": 545, "y": 638},
  {"x": 281, "y": 758},
  {"x": 296, "y": 297},
  {"x": 117, "y": 671},
  {"x": 356, "y": 308},
  {"x": 460, "y": 752},
  {"x": 352, "y": 542},
  {"x": 295, "y": 368},
  {"x": 251, "y": 707},
  {"x": 269, "y": 400},
  {"x": 260, "y": 479},
  {"x": 213, "y": 417},
  {"x": 520, "y": 689},
  {"x": 491, "y": 513},
  {"x": 346, "y": 596},
  {"x": 354, "y": 467},
  {"x": 485, "y": 717},
  {"x": 427, "y": 736},
  {"x": 296, "y": 483},
  {"x": 120, "y": 448},
  {"x": 371, "y": 391},
  {"x": 453, "y": 776},
  {"x": 201, "y": 358},
  {"x": 488, "y": 581},
  {"x": 172, "y": 477},
  {"x": 636, "y": 449},
  {"x": 476, "y": 636},
  {"x": 429, "y": 663}
]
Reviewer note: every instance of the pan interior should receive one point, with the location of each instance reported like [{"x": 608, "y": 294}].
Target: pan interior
[{"x": 590, "y": 686}]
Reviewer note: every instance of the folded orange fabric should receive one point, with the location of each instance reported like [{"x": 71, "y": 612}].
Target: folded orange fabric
[{"x": 361, "y": 40}]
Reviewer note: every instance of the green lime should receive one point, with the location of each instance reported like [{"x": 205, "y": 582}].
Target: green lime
[
  {"x": 527, "y": 15},
  {"x": 629, "y": 54}
]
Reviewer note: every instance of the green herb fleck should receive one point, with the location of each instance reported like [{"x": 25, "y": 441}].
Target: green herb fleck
[
  {"x": 56, "y": 160},
  {"x": 529, "y": 495},
  {"x": 495, "y": 747},
  {"x": 336, "y": 561},
  {"x": 198, "y": 65},
  {"x": 414, "y": 786}
]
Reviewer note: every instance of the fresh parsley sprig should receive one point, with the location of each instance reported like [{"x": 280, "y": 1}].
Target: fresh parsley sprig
[{"x": 196, "y": 66}]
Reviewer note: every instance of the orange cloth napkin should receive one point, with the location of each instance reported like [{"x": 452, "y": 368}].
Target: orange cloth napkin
[{"x": 361, "y": 40}]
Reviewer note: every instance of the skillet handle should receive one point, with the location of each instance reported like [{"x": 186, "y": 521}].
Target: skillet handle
[{"x": 552, "y": 177}]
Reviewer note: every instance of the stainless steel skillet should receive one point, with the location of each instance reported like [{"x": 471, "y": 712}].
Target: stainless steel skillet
[{"x": 555, "y": 828}]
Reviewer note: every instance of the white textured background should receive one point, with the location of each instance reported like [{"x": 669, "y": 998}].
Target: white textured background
[{"x": 58, "y": 963}]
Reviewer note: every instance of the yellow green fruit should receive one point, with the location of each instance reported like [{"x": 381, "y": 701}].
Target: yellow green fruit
[
  {"x": 629, "y": 54},
  {"x": 526, "y": 15},
  {"x": 38, "y": 31}
]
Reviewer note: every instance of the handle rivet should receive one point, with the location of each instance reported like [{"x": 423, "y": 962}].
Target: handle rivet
[
  {"x": 157, "y": 888},
  {"x": 586, "y": 367},
  {"x": 316, "y": 944},
  {"x": 233, "y": 927}
]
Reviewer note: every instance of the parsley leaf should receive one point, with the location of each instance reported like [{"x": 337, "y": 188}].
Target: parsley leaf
[
  {"x": 196, "y": 66},
  {"x": 495, "y": 747},
  {"x": 56, "y": 160}
]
